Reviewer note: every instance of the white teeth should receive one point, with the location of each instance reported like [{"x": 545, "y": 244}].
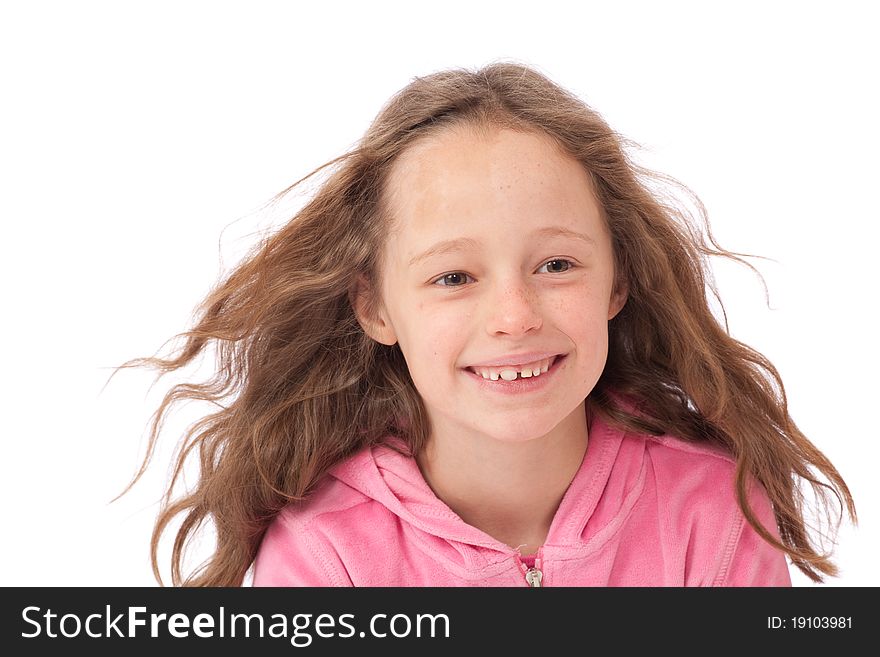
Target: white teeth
[{"x": 508, "y": 374}]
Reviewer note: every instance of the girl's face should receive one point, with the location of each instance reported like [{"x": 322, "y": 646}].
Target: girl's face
[{"x": 498, "y": 255}]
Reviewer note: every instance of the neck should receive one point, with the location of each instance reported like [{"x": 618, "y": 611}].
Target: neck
[{"x": 509, "y": 490}]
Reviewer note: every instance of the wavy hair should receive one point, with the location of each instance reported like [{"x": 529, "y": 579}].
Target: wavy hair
[{"x": 300, "y": 386}]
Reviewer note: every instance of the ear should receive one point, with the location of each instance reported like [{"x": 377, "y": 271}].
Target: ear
[
  {"x": 618, "y": 301},
  {"x": 370, "y": 312}
]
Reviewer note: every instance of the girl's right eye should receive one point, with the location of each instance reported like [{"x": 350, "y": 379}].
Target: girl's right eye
[{"x": 455, "y": 279}]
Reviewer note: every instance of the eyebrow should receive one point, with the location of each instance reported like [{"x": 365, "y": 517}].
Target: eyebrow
[{"x": 462, "y": 243}]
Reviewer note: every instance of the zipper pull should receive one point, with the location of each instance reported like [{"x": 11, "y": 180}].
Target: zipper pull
[{"x": 534, "y": 577}]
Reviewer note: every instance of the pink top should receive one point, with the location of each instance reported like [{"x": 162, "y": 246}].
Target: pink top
[{"x": 640, "y": 511}]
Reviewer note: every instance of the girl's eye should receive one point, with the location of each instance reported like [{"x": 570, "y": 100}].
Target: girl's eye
[
  {"x": 455, "y": 279},
  {"x": 557, "y": 261}
]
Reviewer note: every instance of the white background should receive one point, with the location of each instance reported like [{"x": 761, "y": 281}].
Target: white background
[{"x": 138, "y": 139}]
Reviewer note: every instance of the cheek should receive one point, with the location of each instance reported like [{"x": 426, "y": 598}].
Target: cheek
[
  {"x": 433, "y": 337},
  {"x": 590, "y": 327},
  {"x": 443, "y": 333},
  {"x": 438, "y": 316}
]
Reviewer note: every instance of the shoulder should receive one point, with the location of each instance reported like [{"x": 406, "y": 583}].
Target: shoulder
[
  {"x": 330, "y": 499},
  {"x": 698, "y": 478},
  {"x": 668, "y": 462},
  {"x": 678, "y": 463},
  {"x": 695, "y": 486},
  {"x": 702, "y": 476},
  {"x": 675, "y": 449},
  {"x": 299, "y": 547},
  {"x": 687, "y": 477}
]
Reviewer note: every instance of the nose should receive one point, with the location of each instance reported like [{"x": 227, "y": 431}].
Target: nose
[{"x": 513, "y": 308}]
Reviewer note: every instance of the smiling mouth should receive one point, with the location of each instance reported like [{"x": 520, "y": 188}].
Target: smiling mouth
[{"x": 516, "y": 372}]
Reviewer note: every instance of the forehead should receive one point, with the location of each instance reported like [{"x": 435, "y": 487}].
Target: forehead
[{"x": 461, "y": 179}]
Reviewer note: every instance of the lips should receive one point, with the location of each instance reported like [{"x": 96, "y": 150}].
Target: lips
[{"x": 518, "y": 385}]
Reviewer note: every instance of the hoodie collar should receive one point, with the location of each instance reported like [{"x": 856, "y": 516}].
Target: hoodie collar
[{"x": 395, "y": 481}]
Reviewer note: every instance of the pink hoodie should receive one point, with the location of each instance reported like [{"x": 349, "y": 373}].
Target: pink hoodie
[{"x": 640, "y": 511}]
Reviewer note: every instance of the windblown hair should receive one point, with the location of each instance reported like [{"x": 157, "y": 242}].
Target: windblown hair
[{"x": 301, "y": 386}]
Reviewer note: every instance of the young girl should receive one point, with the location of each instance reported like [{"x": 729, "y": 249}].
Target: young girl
[{"x": 482, "y": 355}]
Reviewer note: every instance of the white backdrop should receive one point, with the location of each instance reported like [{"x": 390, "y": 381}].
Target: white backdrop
[{"x": 137, "y": 139}]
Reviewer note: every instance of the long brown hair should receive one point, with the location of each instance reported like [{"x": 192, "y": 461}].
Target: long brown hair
[{"x": 300, "y": 386}]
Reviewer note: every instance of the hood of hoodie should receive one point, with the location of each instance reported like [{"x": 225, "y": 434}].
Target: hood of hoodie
[
  {"x": 641, "y": 510},
  {"x": 598, "y": 498}
]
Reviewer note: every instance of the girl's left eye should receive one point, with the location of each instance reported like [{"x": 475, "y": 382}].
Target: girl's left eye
[
  {"x": 457, "y": 278},
  {"x": 567, "y": 264},
  {"x": 454, "y": 275}
]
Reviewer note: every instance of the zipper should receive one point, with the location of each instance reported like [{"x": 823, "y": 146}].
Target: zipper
[{"x": 534, "y": 577}]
